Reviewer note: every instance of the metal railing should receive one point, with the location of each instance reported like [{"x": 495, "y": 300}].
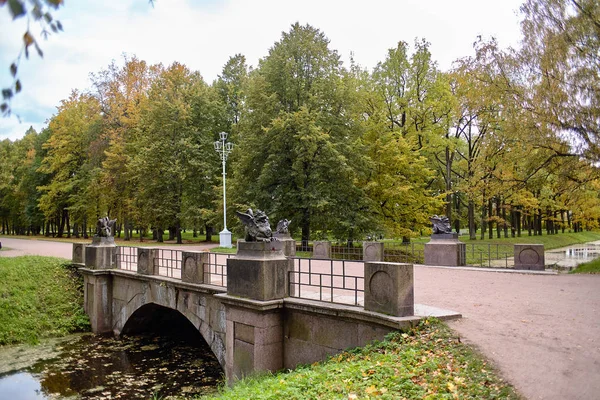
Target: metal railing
[
  {"x": 127, "y": 257},
  {"x": 334, "y": 281},
  {"x": 347, "y": 250},
  {"x": 168, "y": 263},
  {"x": 215, "y": 272},
  {"x": 490, "y": 255},
  {"x": 412, "y": 253}
]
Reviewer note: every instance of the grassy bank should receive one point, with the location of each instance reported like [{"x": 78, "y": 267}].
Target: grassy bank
[
  {"x": 39, "y": 297},
  {"x": 592, "y": 267},
  {"x": 427, "y": 362}
]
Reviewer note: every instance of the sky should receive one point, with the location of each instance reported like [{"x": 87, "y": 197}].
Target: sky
[{"x": 203, "y": 34}]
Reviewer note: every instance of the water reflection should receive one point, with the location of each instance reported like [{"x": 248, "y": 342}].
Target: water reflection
[{"x": 136, "y": 367}]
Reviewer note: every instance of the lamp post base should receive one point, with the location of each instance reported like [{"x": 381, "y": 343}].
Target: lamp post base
[{"x": 225, "y": 238}]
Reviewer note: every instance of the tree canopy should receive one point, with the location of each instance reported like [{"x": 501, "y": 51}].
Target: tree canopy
[{"x": 505, "y": 141}]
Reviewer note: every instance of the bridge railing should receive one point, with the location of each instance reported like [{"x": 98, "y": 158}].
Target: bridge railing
[
  {"x": 167, "y": 262},
  {"x": 215, "y": 272},
  {"x": 334, "y": 281},
  {"x": 127, "y": 257}
]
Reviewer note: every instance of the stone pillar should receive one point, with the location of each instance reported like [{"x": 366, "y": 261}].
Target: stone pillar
[
  {"x": 259, "y": 271},
  {"x": 192, "y": 266},
  {"x": 99, "y": 257},
  {"x": 78, "y": 253},
  {"x": 289, "y": 244},
  {"x": 529, "y": 257},
  {"x": 372, "y": 251},
  {"x": 444, "y": 249},
  {"x": 101, "y": 254},
  {"x": 389, "y": 288},
  {"x": 257, "y": 281},
  {"x": 254, "y": 340},
  {"x": 98, "y": 299},
  {"x": 322, "y": 250},
  {"x": 146, "y": 264}
]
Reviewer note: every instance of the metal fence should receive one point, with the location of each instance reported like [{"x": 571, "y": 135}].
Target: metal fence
[
  {"x": 168, "y": 263},
  {"x": 490, "y": 255},
  {"x": 334, "y": 281},
  {"x": 412, "y": 253},
  {"x": 215, "y": 272},
  {"x": 127, "y": 257}
]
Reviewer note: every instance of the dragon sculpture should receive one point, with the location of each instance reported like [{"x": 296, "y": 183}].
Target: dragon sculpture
[{"x": 257, "y": 226}]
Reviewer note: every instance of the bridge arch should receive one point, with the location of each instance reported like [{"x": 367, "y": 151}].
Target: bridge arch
[{"x": 135, "y": 303}]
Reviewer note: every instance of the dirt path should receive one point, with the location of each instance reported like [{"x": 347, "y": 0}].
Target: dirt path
[{"x": 542, "y": 331}]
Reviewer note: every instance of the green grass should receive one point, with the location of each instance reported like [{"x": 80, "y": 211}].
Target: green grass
[
  {"x": 592, "y": 267},
  {"x": 426, "y": 362},
  {"x": 227, "y": 250},
  {"x": 39, "y": 297}
]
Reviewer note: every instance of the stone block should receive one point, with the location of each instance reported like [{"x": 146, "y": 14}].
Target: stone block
[
  {"x": 445, "y": 250},
  {"x": 389, "y": 288},
  {"x": 372, "y": 251},
  {"x": 146, "y": 264},
  {"x": 78, "y": 253},
  {"x": 192, "y": 266},
  {"x": 529, "y": 257},
  {"x": 259, "y": 271},
  {"x": 98, "y": 302},
  {"x": 288, "y": 245},
  {"x": 322, "y": 250},
  {"x": 100, "y": 256}
]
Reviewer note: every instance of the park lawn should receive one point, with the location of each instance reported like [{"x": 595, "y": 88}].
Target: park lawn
[
  {"x": 426, "y": 362},
  {"x": 39, "y": 297},
  {"x": 592, "y": 267}
]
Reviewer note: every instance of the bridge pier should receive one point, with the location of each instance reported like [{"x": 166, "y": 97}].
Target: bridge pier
[{"x": 256, "y": 286}]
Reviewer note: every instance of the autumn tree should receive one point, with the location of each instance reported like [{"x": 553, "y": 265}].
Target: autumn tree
[{"x": 173, "y": 162}]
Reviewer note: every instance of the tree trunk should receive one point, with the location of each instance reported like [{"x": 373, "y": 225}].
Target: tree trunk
[
  {"x": 209, "y": 232},
  {"x": 490, "y": 222},
  {"x": 498, "y": 217},
  {"x": 305, "y": 223},
  {"x": 178, "y": 232},
  {"x": 471, "y": 218},
  {"x": 483, "y": 220}
]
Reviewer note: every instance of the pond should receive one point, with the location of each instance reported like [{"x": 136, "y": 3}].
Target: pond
[
  {"x": 102, "y": 367},
  {"x": 574, "y": 255}
]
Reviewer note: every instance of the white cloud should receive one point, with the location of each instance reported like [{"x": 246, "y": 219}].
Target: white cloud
[{"x": 204, "y": 34}]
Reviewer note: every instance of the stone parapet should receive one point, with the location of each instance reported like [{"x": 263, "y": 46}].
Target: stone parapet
[
  {"x": 146, "y": 264},
  {"x": 389, "y": 288},
  {"x": 445, "y": 250},
  {"x": 529, "y": 257},
  {"x": 193, "y": 265},
  {"x": 373, "y": 251},
  {"x": 78, "y": 256},
  {"x": 321, "y": 250}
]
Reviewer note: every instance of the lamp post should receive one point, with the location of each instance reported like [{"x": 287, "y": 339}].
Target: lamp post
[{"x": 224, "y": 148}]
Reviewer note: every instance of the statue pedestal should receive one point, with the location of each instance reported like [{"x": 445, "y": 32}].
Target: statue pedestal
[
  {"x": 444, "y": 249},
  {"x": 259, "y": 271},
  {"x": 101, "y": 254},
  {"x": 289, "y": 244}
]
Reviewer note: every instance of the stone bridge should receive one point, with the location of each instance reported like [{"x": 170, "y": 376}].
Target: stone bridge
[{"x": 258, "y": 310}]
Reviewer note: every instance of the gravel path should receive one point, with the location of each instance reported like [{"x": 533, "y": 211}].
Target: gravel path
[{"x": 542, "y": 331}]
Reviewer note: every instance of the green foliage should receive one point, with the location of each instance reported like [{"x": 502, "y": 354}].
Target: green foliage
[
  {"x": 39, "y": 297},
  {"x": 342, "y": 152},
  {"x": 424, "y": 362}
]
